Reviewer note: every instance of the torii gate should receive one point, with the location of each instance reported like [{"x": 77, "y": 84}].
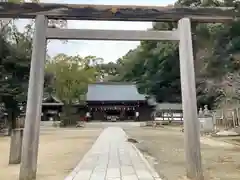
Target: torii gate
[{"x": 43, "y": 12}]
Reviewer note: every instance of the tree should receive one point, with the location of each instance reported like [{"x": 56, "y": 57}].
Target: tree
[
  {"x": 15, "y": 63},
  {"x": 9, "y": 23},
  {"x": 71, "y": 76},
  {"x": 107, "y": 71},
  {"x": 154, "y": 66}
]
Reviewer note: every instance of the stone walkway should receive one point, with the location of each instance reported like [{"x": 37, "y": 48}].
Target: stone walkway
[{"x": 113, "y": 158}]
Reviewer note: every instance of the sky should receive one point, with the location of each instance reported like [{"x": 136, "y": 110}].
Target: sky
[{"x": 108, "y": 50}]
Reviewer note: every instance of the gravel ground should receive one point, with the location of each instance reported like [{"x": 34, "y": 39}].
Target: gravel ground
[
  {"x": 163, "y": 147},
  {"x": 60, "y": 150}
]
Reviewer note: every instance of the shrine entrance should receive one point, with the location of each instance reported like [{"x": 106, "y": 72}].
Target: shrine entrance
[
  {"x": 122, "y": 113},
  {"x": 117, "y": 100},
  {"x": 183, "y": 35},
  {"x": 182, "y": 15},
  {"x": 112, "y": 114}
]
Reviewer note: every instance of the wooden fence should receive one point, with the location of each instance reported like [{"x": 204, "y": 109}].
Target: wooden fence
[
  {"x": 222, "y": 118},
  {"x": 169, "y": 117},
  {"x": 226, "y": 118}
]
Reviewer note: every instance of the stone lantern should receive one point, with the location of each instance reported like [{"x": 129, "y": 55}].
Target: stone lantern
[{"x": 206, "y": 120}]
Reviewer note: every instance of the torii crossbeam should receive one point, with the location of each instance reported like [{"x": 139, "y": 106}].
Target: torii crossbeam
[{"x": 117, "y": 12}]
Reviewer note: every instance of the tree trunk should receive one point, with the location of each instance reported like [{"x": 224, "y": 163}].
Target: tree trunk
[{"x": 65, "y": 115}]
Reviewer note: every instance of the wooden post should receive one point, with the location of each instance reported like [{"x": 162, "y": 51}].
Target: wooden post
[
  {"x": 28, "y": 166},
  {"x": 233, "y": 118},
  {"x": 238, "y": 120},
  {"x": 16, "y": 146},
  {"x": 188, "y": 86}
]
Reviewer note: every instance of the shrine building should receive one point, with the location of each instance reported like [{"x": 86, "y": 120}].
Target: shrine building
[
  {"x": 122, "y": 100},
  {"x": 51, "y": 107}
]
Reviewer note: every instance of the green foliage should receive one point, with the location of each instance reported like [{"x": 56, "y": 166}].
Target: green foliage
[
  {"x": 154, "y": 66},
  {"x": 68, "y": 77},
  {"x": 14, "y": 65},
  {"x": 71, "y": 75}
]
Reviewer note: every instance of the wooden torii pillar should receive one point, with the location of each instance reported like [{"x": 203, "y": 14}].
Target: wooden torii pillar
[
  {"x": 28, "y": 167},
  {"x": 188, "y": 86}
]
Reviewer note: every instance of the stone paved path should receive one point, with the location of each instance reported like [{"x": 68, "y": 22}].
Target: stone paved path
[{"x": 113, "y": 158}]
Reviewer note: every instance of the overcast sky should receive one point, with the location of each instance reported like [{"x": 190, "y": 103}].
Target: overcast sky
[{"x": 108, "y": 50}]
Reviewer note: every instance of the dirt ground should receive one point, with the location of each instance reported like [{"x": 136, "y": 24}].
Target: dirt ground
[
  {"x": 60, "y": 151},
  {"x": 163, "y": 147}
]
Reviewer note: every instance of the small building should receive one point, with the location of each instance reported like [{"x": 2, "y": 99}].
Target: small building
[
  {"x": 169, "y": 111},
  {"x": 177, "y": 107},
  {"x": 51, "y": 107},
  {"x": 117, "y": 99}
]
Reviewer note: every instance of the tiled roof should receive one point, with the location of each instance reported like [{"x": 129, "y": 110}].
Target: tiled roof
[
  {"x": 51, "y": 99},
  {"x": 112, "y": 91},
  {"x": 168, "y": 106}
]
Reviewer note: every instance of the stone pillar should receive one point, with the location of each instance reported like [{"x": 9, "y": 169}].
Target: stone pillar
[
  {"x": 28, "y": 166},
  {"x": 190, "y": 117},
  {"x": 16, "y": 146}
]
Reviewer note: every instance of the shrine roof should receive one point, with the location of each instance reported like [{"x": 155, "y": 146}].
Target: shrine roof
[
  {"x": 51, "y": 100},
  {"x": 114, "y": 91},
  {"x": 168, "y": 106}
]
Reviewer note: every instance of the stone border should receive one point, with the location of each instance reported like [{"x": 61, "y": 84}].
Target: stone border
[
  {"x": 149, "y": 167},
  {"x": 74, "y": 172}
]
